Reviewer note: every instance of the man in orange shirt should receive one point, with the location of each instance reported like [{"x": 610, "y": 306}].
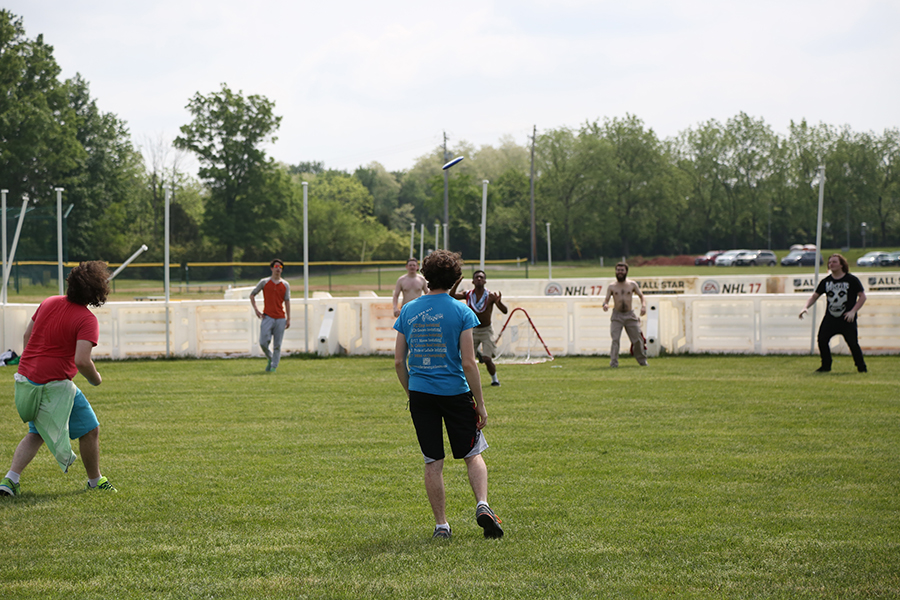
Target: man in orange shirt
[{"x": 275, "y": 319}]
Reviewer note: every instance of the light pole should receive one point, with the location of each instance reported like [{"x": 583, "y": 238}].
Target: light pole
[
  {"x": 820, "y": 180},
  {"x": 446, "y": 168},
  {"x": 863, "y": 227},
  {"x": 484, "y": 184}
]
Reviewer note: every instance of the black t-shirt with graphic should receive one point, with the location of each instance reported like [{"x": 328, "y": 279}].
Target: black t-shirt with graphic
[{"x": 841, "y": 294}]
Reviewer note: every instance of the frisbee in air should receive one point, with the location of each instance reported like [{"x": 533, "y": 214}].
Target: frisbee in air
[{"x": 452, "y": 162}]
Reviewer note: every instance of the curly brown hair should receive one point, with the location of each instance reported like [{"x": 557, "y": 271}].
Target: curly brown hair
[
  {"x": 88, "y": 283},
  {"x": 442, "y": 269}
]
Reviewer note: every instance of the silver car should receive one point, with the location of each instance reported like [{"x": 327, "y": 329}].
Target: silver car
[
  {"x": 870, "y": 259},
  {"x": 726, "y": 259}
]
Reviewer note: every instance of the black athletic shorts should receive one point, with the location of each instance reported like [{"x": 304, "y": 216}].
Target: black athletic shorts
[{"x": 459, "y": 416}]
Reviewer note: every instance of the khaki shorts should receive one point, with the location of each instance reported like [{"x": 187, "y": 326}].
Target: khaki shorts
[{"x": 485, "y": 337}]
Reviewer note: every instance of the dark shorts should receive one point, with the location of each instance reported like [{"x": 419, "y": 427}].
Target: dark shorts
[{"x": 457, "y": 413}]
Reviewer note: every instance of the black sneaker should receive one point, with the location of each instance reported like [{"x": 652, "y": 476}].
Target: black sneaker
[
  {"x": 495, "y": 383},
  {"x": 862, "y": 369},
  {"x": 488, "y": 521},
  {"x": 441, "y": 533},
  {"x": 823, "y": 370}
]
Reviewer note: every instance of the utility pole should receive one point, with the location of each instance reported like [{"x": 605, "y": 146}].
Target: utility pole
[
  {"x": 446, "y": 199},
  {"x": 533, "y": 228}
]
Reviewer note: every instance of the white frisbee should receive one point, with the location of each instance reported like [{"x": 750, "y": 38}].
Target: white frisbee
[{"x": 452, "y": 162}]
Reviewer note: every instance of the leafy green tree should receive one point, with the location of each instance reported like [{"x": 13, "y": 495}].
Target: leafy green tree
[
  {"x": 341, "y": 223},
  {"x": 105, "y": 184},
  {"x": 385, "y": 190},
  {"x": 248, "y": 193},
  {"x": 699, "y": 155},
  {"x": 562, "y": 185}
]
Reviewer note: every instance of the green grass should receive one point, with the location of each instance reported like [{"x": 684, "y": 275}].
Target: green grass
[{"x": 699, "y": 477}]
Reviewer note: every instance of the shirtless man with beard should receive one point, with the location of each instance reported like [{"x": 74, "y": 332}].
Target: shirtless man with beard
[{"x": 622, "y": 291}]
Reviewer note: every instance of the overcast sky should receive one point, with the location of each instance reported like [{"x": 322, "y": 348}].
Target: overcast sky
[{"x": 357, "y": 82}]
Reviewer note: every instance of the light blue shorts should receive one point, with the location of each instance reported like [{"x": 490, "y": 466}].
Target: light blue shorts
[{"x": 81, "y": 421}]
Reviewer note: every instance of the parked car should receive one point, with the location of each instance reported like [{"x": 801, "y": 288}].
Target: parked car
[
  {"x": 756, "y": 257},
  {"x": 709, "y": 258},
  {"x": 801, "y": 258},
  {"x": 726, "y": 259},
  {"x": 892, "y": 259},
  {"x": 870, "y": 259}
]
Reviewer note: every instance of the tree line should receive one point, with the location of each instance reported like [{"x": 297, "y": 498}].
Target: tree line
[{"x": 610, "y": 187}]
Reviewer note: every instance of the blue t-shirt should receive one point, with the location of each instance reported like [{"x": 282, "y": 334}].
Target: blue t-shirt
[{"x": 432, "y": 325}]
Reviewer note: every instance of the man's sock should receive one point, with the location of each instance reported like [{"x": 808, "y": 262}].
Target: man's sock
[
  {"x": 13, "y": 476},
  {"x": 443, "y": 526},
  {"x": 93, "y": 482},
  {"x": 494, "y": 378}
]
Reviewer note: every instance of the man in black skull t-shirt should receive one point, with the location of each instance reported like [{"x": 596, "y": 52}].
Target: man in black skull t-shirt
[{"x": 845, "y": 296}]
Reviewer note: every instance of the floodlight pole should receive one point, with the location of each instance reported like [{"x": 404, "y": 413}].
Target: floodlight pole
[
  {"x": 166, "y": 267},
  {"x": 412, "y": 239},
  {"x": 12, "y": 253},
  {"x": 820, "y": 175},
  {"x": 59, "y": 239},
  {"x": 137, "y": 253},
  {"x": 484, "y": 184},
  {"x": 421, "y": 243},
  {"x": 306, "y": 265},
  {"x": 437, "y": 227},
  {"x": 3, "y": 194},
  {"x": 549, "y": 264}
]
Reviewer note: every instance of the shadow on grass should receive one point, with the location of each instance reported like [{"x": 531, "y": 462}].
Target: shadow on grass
[{"x": 27, "y": 499}]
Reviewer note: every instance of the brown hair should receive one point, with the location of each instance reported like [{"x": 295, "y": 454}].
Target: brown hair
[
  {"x": 621, "y": 264},
  {"x": 442, "y": 269},
  {"x": 88, "y": 283},
  {"x": 276, "y": 261},
  {"x": 844, "y": 265}
]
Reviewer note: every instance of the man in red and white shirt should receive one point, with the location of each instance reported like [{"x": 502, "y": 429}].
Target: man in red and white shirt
[{"x": 276, "y": 313}]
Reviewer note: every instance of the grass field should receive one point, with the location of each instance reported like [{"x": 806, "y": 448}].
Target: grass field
[{"x": 699, "y": 477}]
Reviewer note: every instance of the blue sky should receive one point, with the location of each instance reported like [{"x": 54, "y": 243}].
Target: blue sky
[{"x": 357, "y": 82}]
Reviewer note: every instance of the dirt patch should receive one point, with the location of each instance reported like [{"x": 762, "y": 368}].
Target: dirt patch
[{"x": 663, "y": 261}]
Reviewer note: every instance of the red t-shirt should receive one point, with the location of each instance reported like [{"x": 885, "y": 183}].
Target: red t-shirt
[{"x": 58, "y": 325}]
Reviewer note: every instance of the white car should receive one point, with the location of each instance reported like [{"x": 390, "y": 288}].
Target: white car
[
  {"x": 726, "y": 259},
  {"x": 870, "y": 259}
]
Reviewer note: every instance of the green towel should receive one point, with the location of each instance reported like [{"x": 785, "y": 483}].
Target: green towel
[{"x": 49, "y": 406}]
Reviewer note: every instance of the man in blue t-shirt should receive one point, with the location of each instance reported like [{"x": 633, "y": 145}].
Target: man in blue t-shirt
[
  {"x": 845, "y": 295},
  {"x": 435, "y": 361}
]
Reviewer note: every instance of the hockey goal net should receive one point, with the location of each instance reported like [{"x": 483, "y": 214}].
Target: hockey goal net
[{"x": 519, "y": 342}]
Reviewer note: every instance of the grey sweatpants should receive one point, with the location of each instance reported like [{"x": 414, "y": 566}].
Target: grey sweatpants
[
  {"x": 272, "y": 330},
  {"x": 632, "y": 325}
]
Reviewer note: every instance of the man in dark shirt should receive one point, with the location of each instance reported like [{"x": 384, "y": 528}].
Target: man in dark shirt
[{"x": 845, "y": 295}]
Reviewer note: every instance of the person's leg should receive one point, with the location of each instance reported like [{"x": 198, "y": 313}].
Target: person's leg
[
  {"x": 826, "y": 332},
  {"x": 25, "y": 452},
  {"x": 851, "y": 335},
  {"x": 478, "y": 479},
  {"x": 434, "y": 486},
  {"x": 277, "y": 338},
  {"x": 265, "y": 335},
  {"x": 89, "y": 444},
  {"x": 633, "y": 329},
  {"x": 615, "y": 332}
]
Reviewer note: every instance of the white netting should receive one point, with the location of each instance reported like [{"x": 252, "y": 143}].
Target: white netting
[{"x": 519, "y": 342}]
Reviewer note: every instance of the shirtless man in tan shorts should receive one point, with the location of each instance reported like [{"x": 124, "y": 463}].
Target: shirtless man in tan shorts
[
  {"x": 412, "y": 285},
  {"x": 622, "y": 291}
]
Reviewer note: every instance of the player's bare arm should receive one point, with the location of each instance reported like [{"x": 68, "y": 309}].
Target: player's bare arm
[
  {"x": 454, "y": 294},
  {"x": 397, "y": 289},
  {"x": 496, "y": 298},
  {"x": 637, "y": 290}
]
